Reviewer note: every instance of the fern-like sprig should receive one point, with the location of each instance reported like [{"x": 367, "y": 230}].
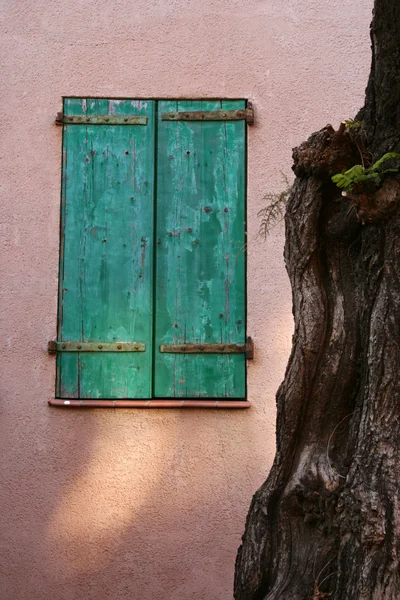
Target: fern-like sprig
[{"x": 274, "y": 211}]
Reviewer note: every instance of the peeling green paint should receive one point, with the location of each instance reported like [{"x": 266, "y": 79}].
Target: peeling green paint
[
  {"x": 200, "y": 261},
  {"x": 106, "y": 269},
  {"x": 114, "y": 230}
]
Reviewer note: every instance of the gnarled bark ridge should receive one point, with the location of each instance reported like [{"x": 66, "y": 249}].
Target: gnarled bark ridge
[{"x": 326, "y": 523}]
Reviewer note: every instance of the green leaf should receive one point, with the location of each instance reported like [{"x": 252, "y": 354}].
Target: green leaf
[
  {"x": 365, "y": 177},
  {"x": 355, "y": 171},
  {"x": 369, "y": 177},
  {"x": 390, "y": 171},
  {"x": 340, "y": 180},
  {"x": 359, "y": 174},
  {"x": 384, "y": 158}
]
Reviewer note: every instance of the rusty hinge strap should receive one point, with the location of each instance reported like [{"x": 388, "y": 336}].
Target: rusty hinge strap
[
  {"x": 54, "y": 347},
  {"x": 62, "y": 119},
  {"x": 246, "y": 114},
  {"x": 247, "y": 348}
]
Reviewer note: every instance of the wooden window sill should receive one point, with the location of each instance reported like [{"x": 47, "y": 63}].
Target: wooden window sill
[{"x": 150, "y": 403}]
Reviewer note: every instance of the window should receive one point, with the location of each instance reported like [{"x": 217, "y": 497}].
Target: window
[{"x": 152, "y": 266}]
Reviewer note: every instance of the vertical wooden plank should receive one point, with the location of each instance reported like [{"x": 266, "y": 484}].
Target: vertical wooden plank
[
  {"x": 108, "y": 257},
  {"x": 200, "y": 258},
  {"x": 74, "y": 178}
]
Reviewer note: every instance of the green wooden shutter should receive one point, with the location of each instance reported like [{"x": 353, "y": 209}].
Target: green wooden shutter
[
  {"x": 200, "y": 252},
  {"x": 106, "y": 268}
]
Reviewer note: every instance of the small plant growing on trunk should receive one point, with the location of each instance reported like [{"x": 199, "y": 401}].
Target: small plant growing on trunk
[{"x": 353, "y": 180}]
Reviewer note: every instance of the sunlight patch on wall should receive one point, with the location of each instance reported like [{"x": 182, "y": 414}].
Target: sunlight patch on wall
[{"x": 108, "y": 496}]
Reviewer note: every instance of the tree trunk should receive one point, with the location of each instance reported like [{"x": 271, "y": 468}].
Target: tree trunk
[{"x": 326, "y": 523}]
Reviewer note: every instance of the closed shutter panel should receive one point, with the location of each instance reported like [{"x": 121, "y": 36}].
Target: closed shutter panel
[
  {"x": 106, "y": 269},
  {"x": 200, "y": 252}
]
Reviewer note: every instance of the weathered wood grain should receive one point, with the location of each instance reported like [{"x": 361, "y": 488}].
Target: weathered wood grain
[
  {"x": 106, "y": 251},
  {"x": 200, "y": 257}
]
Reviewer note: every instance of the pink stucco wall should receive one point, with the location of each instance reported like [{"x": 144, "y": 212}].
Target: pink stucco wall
[{"x": 146, "y": 504}]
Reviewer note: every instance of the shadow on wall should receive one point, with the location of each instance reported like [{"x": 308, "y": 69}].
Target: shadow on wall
[{"x": 132, "y": 505}]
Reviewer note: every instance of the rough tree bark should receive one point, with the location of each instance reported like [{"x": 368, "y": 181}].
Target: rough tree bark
[{"x": 326, "y": 523}]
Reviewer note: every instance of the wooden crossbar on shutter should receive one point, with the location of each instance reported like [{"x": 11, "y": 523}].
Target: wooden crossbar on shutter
[
  {"x": 106, "y": 267},
  {"x": 200, "y": 253}
]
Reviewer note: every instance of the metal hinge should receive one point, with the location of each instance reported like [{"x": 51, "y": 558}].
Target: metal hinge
[
  {"x": 62, "y": 119},
  {"x": 54, "y": 347},
  {"x": 246, "y": 114},
  {"x": 247, "y": 348}
]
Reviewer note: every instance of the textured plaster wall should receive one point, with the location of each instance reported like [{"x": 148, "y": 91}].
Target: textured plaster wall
[{"x": 130, "y": 504}]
